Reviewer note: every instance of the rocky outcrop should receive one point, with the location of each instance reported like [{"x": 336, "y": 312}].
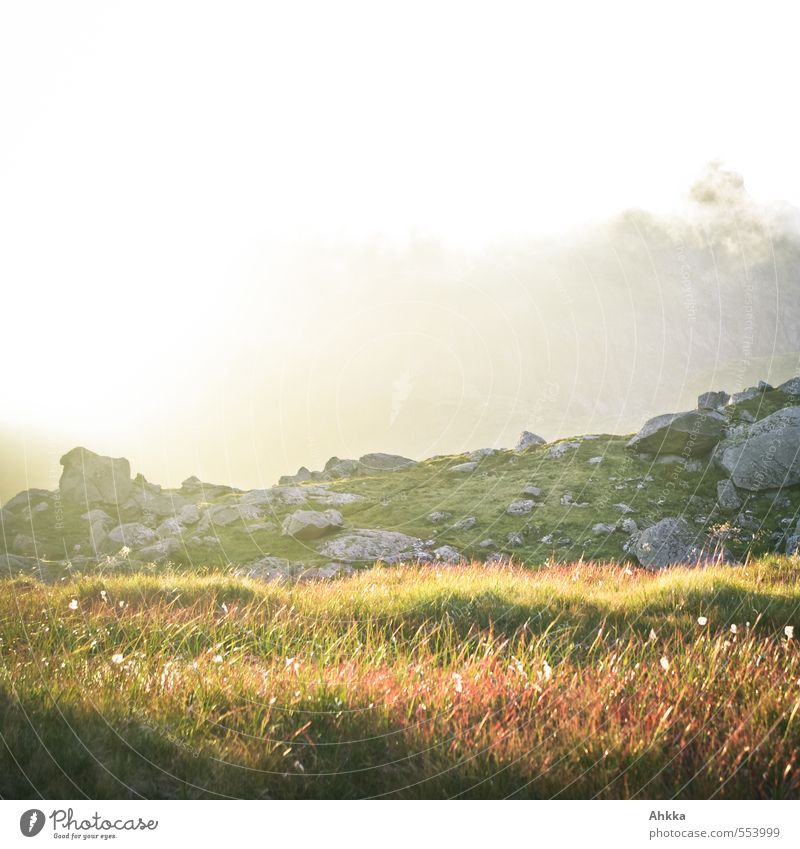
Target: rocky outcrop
[
  {"x": 464, "y": 468},
  {"x": 765, "y": 454},
  {"x": 310, "y": 524},
  {"x": 712, "y": 400},
  {"x": 521, "y": 507},
  {"x": 674, "y": 542},
  {"x": 526, "y": 440},
  {"x": 369, "y": 545},
  {"x": 687, "y": 434},
  {"x": 790, "y": 387},
  {"x": 371, "y": 463},
  {"x": 90, "y": 479},
  {"x": 727, "y": 497},
  {"x": 132, "y": 534}
]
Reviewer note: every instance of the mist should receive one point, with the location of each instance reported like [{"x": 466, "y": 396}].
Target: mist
[{"x": 422, "y": 347}]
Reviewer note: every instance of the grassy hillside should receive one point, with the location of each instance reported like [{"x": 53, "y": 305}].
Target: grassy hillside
[{"x": 570, "y": 681}]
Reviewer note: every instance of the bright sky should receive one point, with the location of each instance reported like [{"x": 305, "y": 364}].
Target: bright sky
[{"x": 156, "y": 156}]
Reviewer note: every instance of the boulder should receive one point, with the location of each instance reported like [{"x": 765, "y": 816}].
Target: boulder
[
  {"x": 464, "y": 467},
  {"x": 371, "y": 463},
  {"x": 439, "y": 516},
  {"x": 90, "y": 479},
  {"x": 765, "y": 454},
  {"x": 532, "y": 490},
  {"x": 160, "y": 551},
  {"x": 521, "y": 507},
  {"x": 336, "y": 468},
  {"x": 688, "y": 434},
  {"x": 674, "y": 542},
  {"x": 603, "y": 529},
  {"x": 745, "y": 395},
  {"x": 271, "y": 569},
  {"x": 25, "y": 499},
  {"x": 595, "y": 461},
  {"x": 793, "y": 542},
  {"x": 480, "y": 453},
  {"x": 526, "y": 440},
  {"x": 448, "y": 554},
  {"x": 132, "y": 534},
  {"x": 311, "y": 524},
  {"x": 712, "y": 400},
  {"x": 628, "y": 526},
  {"x": 790, "y": 387},
  {"x": 555, "y": 452},
  {"x": 303, "y": 474},
  {"x": 727, "y": 496},
  {"x": 370, "y": 545},
  {"x": 326, "y": 572},
  {"x": 148, "y": 497},
  {"x": 465, "y": 524}
]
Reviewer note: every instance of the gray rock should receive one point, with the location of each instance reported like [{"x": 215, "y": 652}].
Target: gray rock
[
  {"x": 766, "y": 455},
  {"x": 25, "y": 499},
  {"x": 326, "y": 572},
  {"x": 371, "y": 463},
  {"x": 370, "y": 545},
  {"x": 311, "y": 524},
  {"x": 519, "y": 508},
  {"x": 302, "y": 475},
  {"x": 624, "y": 508},
  {"x": 486, "y": 543},
  {"x": 595, "y": 461},
  {"x": 745, "y": 395},
  {"x": 271, "y": 569},
  {"x": 526, "y": 440},
  {"x": 790, "y": 387},
  {"x": 480, "y": 453},
  {"x": 628, "y": 526},
  {"x": 464, "y": 467},
  {"x": 132, "y": 534},
  {"x": 558, "y": 450},
  {"x": 439, "y": 516},
  {"x": 189, "y": 514},
  {"x": 170, "y": 528},
  {"x": 673, "y": 542},
  {"x": 9, "y": 564},
  {"x": 687, "y": 434},
  {"x": 151, "y": 498},
  {"x": 160, "y": 551},
  {"x": 448, "y": 554},
  {"x": 90, "y": 479},
  {"x": 603, "y": 529},
  {"x": 532, "y": 490},
  {"x": 727, "y": 496},
  {"x": 712, "y": 400},
  {"x": 337, "y": 468},
  {"x": 515, "y": 540},
  {"x": 465, "y": 524}
]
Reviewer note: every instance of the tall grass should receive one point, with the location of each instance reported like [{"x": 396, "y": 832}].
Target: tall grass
[{"x": 586, "y": 680}]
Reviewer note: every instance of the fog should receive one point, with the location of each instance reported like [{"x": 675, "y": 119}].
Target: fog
[{"x": 416, "y": 346}]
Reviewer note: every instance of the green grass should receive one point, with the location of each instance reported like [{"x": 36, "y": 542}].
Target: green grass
[{"x": 576, "y": 680}]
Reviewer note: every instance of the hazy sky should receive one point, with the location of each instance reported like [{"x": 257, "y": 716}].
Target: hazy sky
[{"x": 237, "y": 237}]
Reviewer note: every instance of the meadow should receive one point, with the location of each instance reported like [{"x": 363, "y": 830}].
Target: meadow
[{"x": 580, "y": 680}]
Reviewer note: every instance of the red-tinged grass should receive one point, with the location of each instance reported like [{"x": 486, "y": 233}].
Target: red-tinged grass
[{"x": 582, "y": 681}]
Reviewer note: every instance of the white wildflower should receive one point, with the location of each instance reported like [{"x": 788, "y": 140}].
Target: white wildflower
[
  {"x": 117, "y": 658},
  {"x": 664, "y": 664},
  {"x": 73, "y": 605},
  {"x": 789, "y": 631},
  {"x": 702, "y": 620}
]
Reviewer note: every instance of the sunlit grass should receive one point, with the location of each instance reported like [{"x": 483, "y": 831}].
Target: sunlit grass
[{"x": 572, "y": 681}]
